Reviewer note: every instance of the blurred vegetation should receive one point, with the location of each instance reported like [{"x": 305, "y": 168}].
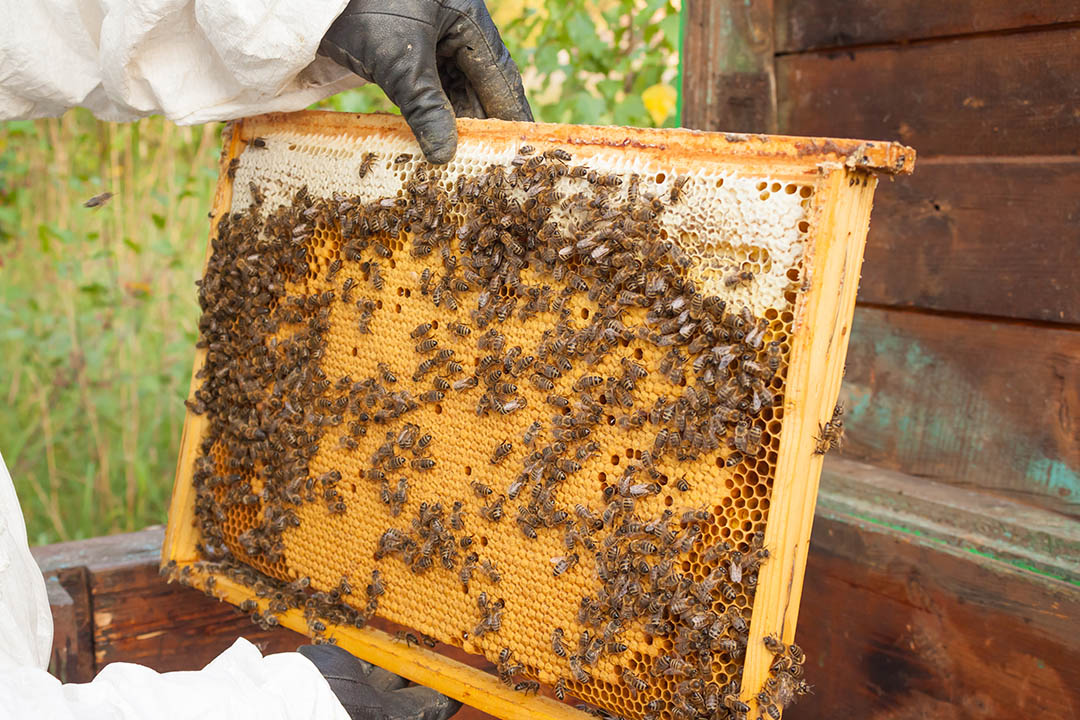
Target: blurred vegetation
[{"x": 97, "y": 305}]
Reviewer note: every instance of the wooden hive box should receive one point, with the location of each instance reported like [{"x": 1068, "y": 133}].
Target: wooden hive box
[{"x": 569, "y": 389}]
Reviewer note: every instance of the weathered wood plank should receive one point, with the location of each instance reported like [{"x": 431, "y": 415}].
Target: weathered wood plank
[
  {"x": 988, "y": 237},
  {"x": 898, "y": 629},
  {"x": 138, "y": 617},
  {"x": 728, "y": 79},
  {"x": 967, "y": 401},
  {"x": 984, "y": 95},
  {"x": 804, "y": 25}
]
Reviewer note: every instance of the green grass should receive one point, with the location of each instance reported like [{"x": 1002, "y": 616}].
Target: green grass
[{"x": 98, "y": 307}]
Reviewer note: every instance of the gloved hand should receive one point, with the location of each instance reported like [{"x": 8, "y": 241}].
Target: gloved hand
[
  {"x": 433, "y": 58},
  {"x": 368, "y": 692}
]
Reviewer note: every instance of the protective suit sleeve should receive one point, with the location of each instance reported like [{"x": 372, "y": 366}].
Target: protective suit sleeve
[
  {"x": 240, "y": 684},
  {"x": 193, "y": 61}
]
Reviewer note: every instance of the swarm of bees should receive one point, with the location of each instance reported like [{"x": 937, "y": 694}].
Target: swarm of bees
[{"x": 509, "y": 244}]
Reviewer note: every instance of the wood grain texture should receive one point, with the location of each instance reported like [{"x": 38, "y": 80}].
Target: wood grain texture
[
  {"x": 899, "y": 629},
  {"x": 972, "y": 402},
  {"x": 728, "y": 79},
  {"x": 138, "y": 617},
  {"x": 987, "y": 237},
  {"x": 984, "y": 95},
  {"x": 802, "y": 25}
]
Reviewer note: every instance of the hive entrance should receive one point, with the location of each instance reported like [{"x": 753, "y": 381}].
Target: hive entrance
[{"x": 528, "y": 404}]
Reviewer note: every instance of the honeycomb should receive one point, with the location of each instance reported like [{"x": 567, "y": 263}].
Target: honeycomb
[{"x": 527, "y": 404}]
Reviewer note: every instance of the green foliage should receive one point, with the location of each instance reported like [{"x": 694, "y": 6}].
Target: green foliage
[
  {"x": 97, "y": 315},
  {"x": 98, "y": 307},
  {"x": 588, "y": 65}
]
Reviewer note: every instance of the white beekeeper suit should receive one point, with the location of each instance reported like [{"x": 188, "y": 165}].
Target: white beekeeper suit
[{"x": 192, "y": 61}]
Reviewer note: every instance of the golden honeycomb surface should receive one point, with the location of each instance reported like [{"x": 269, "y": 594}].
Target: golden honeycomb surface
[{"x": 723, "y": 222}]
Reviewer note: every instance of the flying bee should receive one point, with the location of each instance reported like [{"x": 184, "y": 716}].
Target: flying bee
[
  {"x": 102, "y": 198},
  {"x": 501, "y": 452}
]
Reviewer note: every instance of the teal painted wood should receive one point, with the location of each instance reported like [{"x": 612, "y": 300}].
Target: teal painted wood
[{"x": 971, "y": 402}]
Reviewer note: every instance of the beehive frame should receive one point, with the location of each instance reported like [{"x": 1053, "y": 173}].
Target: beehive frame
[{"x": 829, "y": 185}]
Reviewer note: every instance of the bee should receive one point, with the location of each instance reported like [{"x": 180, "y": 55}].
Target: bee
[
  {"x": 375, "y": 276},
  {"x": 420, "y": 331},
  {"x": 422, "y": 464},
  {"x": 578, "y": 673},
  {"x": 557, "y": 154},
  {"x": 456, "y": 522},
  {"x": 677, "y": 187},
  {"x": 558, "y": 401},
  {"x": 426, "y": 346},
  {"x": 526, "y": 150},
  {"x": 408, "y": 638},
  {"x": 541, "y": 382},
  {"x": 425, "y": 281},
  {"x": 460, "y": 329},
  {"x": 739, "y": 277},
  {"x": 402, "y": 158},
  {"x": 831, "y": 434},
  {"x": 386, "y": 374},
  {"x": 560, "y": 689},
  {"x": 492, "y": 572},
  {"x": 635, "y": 683},
  {"x": 587, "y": 381},
  {"x": 347, "y": 443},
  {"x": 493, "y": 511},
  {"x": 527, "y": 686},
  {"x": 432, "y": 396},
  {"x": 422, "y": 443},
  {"x": 501, "y": 452},
  {"x": 465, "y": 383},
  {"x": 557, "y": 642},
  {"x": 259, "y": 142},
  {"x": 480, "y": 489},
  {"x": 529, "y": 438},
  {"x": 366, "y": 163},
  {"x": 564, "y": 563},
  {"x": 407, "y": 435},
  {"x": 102, "y": 198},
  {"x": 397, "y": 500}
]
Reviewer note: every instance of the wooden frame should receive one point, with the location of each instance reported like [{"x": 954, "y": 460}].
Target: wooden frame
[{"x": 842, "y": 174}]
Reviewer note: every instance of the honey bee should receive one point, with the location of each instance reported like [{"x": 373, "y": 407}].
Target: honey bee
[
  {"x": 102, "y": 198},
  {"x": 408, "y": 638},
  {"x": 501, "y": 452},
  {"x": 831, "y": 434},
  {"x": 564, "y": 563},
  {"x": 402, "y": 158},
  {"x": 557, "y": 642},
  {"x": 422, "y": 463},
  {"x": 560, "y": 689},
  {"x": 420, "y": 331},
  {"x": 494, "y": 510},
  {"x": 527, "y": 686},
  {"x": 480, "y": 489},
  {"x": 375, "y": 276},
  {"x": 676, "y": 188},
  {"x": 366, "y": 163}
]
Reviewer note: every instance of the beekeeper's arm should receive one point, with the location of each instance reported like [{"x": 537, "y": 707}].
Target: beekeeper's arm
[
  {"x": 318, "y": 683},
  {"x": 196, "y": 61}
]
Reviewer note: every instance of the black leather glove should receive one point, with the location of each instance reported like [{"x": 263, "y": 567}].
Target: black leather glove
[
  {"x": 368, "y": 692},
  {"x": 433, "y": 58}
]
